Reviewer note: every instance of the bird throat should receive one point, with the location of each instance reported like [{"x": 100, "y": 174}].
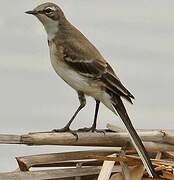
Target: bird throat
[{"x": 51, "y": 27}]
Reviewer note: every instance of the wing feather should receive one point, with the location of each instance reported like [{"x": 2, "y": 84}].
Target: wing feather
[
  {"x": 88, "y": 68},
  {"x": 97, "y": 69}
]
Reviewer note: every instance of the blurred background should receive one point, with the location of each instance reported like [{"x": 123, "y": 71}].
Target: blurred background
[{"x": 136, "y": 37}]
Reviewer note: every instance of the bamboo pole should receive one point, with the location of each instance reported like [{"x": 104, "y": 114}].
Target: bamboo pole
[
  {"x": 53, "y": 173},
  {"x": 153, "y": 140},
  {"x": 62, "y": 159},
  {"x": 87, "y": 139}
]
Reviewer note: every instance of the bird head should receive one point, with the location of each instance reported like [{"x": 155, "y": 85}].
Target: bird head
[
  {"x": 50, "y": 15},
  {"x": 47, "y": 12}
]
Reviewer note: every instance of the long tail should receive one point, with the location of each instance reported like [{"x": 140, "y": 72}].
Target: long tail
[{"x": 119, "y": 107}]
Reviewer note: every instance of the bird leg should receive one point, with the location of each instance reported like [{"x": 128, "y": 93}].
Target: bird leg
[
  {"x": 93, "y": 127},
  {"x": 67, "y": 127}
]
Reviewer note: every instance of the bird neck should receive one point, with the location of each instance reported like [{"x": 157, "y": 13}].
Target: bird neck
[
  {"x": 52, "y": 28},
  {"x": 55, "y": 29}
]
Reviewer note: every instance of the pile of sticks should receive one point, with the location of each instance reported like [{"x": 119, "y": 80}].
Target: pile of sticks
[{"x": 117, "y": 161}]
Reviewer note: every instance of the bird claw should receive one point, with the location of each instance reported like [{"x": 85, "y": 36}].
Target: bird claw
[
  {"x": 66, "y": 129},
  {"x": 91, "y": 129}
]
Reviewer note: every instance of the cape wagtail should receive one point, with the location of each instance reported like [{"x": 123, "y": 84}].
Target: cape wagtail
[{"x": 81, "y": 65}]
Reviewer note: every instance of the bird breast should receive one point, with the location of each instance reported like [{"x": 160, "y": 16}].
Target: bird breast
[{"x": 70, "y": 76}]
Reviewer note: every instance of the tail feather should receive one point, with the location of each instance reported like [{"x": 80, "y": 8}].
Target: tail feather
[{"x": 119, "y": 107}]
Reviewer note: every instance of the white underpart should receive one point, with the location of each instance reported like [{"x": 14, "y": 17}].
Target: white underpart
[
  {"x": 77, "y": 81},
  {"x": 51, "y": 28}
]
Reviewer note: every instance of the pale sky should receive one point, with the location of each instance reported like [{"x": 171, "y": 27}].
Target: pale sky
[{"x": 136, "y": 37}]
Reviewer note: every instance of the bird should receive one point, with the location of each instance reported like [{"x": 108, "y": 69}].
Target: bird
[{"x": 78, "y": 62}]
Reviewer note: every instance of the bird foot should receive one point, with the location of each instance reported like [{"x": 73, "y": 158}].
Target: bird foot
[
  {"x": 66, "y": 129},
  {"x": 91, "y": 129}
]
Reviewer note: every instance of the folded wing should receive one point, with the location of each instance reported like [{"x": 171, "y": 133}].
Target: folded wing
[{"x": 99, "y": 69}]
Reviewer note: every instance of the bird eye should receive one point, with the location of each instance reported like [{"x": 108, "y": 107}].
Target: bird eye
[{"x": 48, "y": 10}]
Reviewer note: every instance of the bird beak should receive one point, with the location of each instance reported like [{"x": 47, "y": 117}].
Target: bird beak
[{"x": 31, "y": 12}]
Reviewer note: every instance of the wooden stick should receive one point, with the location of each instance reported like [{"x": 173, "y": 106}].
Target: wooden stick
[
  {"x": 169, "y": 155},
  {"x": 106, "y": 170},
  {"x": 53, "y": 173},
  {"x": 153, "y": 140},
  {"x": 165, "y": 136},
  {"x": 58, "y": 159},
  {"x": 10, "y": 139}
]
